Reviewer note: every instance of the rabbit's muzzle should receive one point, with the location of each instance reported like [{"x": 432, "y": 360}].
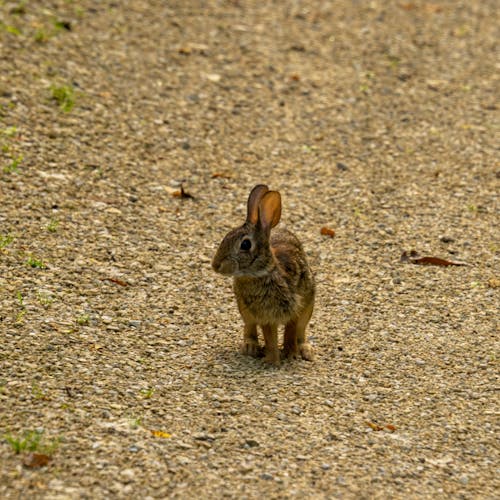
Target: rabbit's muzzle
[{"x": 225, "y": 266}]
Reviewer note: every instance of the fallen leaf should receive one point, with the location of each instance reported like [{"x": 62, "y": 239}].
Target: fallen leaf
[
  {"x": 390, "y": 427},
  {"x": 432, "y": 8},
  {"x": 494, "y": 283},
  {"x": 221, "y": 175},
  {"x": 161, "y": 434},
  {"x": 213, "y": 77},
  {"x": 117, "y": 281},
  {"x": 35, "y": 460},
  {"x": 326, "y": 231},
  {"x": 182, "y": 194},
  {"x": 374, "y": 426},
  {"x": 414, "y": 258}
]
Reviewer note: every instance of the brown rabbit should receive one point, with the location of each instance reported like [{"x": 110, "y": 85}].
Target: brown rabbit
[{"x": 272, "y": 280}]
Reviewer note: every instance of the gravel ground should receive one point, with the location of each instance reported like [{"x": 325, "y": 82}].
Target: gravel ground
[{"x": 119, "y": 344}]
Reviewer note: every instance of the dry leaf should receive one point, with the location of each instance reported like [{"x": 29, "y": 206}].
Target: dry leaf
[
  {"x": 408, "y": 6},
  {"x": 414, "y": 258},
  {"x": 35, "y": 460},
  {"x": 390, "y": 427},
  {"x": 182, "y": 194},
  {"x": 432, "y": 8},
  {"x": 221, "y": 175},
  {"x": 117, "y": 281},
  {"x": 161, "y": 434},
  {"x": 374, "y": 426},
  {"x": 326, "y": 231},
  {"x": 494, "y": 283}
]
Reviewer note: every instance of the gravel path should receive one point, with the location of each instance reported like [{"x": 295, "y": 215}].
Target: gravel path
[{"x": 119, "y": 360}]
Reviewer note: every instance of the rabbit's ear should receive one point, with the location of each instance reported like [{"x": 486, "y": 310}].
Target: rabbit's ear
[
  {"x": 253, "y": 202},
  {"x": 270, "y": 210}
]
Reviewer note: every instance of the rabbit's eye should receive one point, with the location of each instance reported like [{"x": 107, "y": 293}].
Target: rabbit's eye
[{"x": 246, "y": 244}]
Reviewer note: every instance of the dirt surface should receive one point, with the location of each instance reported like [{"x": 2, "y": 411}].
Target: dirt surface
[{"x": 119, "y": 354}]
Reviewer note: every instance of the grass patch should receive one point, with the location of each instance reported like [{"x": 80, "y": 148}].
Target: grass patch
[
  {"x": 32, "y": 440},
  {"x": 5, "y": 240},
  {"x": 147, "y": 393},
  {"x": 64, "y": 96},
  {"x": 13, "y": 166},
  {"x": 52, "y": 226},
  {"x": 45, "y": 299},
  {"x": 83, "y": 320},
  {"x": 35, "y": 263}
]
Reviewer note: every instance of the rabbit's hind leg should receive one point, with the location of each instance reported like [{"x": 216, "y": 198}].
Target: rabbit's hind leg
[
  {"x": 290, "y": 348},
  {"x": 305, "y": 349}
]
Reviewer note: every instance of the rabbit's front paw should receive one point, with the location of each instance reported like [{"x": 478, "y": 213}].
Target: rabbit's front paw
[
  {"x": 251, "y": 348},
  {"x": 272, "y": 357},
  {"x": 307, "y": 352}
]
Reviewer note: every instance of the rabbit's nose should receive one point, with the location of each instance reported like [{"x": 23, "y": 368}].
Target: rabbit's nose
[{"x": 223, "y": 267}]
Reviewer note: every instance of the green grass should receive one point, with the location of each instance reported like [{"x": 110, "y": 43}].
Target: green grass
[
  {"x": 8, "y": 28},
  {"x": 45, "y": 299},
  {"x": 5, "y": 240},
  {"x": 35, "y": 263},
  {"x": 83, "y": 320},
  {"x": 9, "y": 131},
  {"x": 52, "y": 225},
  {"x": 147, "y": 393},
  {"x": 31, "y": 441},
  {"x": 64, "y": 95},
  {"x": 13, "y": 166}
]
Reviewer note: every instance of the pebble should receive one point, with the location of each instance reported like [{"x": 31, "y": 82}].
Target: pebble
[
  {"x": 127, "y": 475},
  {"x": 251, "y": 443}
]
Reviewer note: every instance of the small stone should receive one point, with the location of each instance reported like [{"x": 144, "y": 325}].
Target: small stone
[
  {"x": 326, "y": 466},
  {"x": 419, "y": 362},
  {"x": 202, "y": 436},
  {"x": 447, "y": 239},
  {"x": 329, "y": 403},
  {"x": 182, "y": 460},
  {"x": 128, "y": 475},
  {"x": 214, "y": 77},
  {"x": 266, "y": 476},
  {"x": 251, "y": 443},
  {"x": 303, "y": 457},
  {"x": 107, "y": 319},
  {"x": 342, "y": 166}
]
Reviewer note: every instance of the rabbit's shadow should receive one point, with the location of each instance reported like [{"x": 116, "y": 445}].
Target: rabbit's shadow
[{"x": 228, "y": 361}]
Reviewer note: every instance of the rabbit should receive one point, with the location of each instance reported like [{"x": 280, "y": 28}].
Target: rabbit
[{"x": 273, "y": 283}]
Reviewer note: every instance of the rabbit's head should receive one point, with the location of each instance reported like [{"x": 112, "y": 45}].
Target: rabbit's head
[{"x": 245, "y": 251}]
